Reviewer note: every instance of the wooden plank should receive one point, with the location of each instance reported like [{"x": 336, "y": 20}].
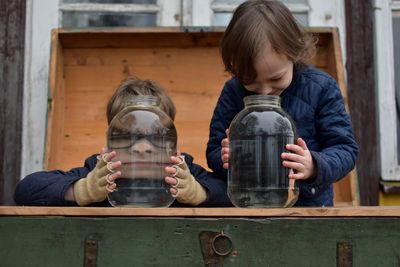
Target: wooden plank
[
  {"x": 12, "y": 36},
  {"x": 347, "y": 188},
  {"x": 141, "y": 39},
  {"x": 55, "y": 105},
  {"x": 392, "y": 211},
  {"x": 362, "y": 96}
]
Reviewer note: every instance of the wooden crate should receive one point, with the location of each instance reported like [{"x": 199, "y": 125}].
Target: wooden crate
[{"x": 87, "y": 65}]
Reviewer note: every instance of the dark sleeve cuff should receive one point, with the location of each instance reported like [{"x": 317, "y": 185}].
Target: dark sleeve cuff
[
  {"x": 216, "y": 192},
  {"x": 314, "y": 187}
]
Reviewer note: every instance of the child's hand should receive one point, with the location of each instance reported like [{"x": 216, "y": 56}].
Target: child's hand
[
  {"x": 185, "y": 188},
  {"x": 99, "y": 182},
  {"x": 225, "y": 151},
  {"x": 300, "y": 160}
]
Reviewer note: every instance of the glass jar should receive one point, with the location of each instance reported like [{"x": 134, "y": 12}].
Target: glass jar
[
  {"x": 257, "y": 137},
  {"x": 144, "y": 138}
]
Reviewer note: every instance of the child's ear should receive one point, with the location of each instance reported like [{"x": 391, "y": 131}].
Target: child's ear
[{"x": 178, "y": 153}]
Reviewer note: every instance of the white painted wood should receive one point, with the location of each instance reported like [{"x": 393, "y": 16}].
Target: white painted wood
[
  {"x": 329, "y": 14},
  {"x": 223, "y": 7},
  {"x": 186, "y": 12},
  {"x": 201, "y": 12},
  {"x": 395, "y": 5},
  {"x": 119, "y": 8},
  {"x": 170, "y": 13},
  {"x": 385, "y": 84},
  {"x": 41, "y": 17}
]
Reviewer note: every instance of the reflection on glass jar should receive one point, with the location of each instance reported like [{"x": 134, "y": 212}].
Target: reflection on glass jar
[
  {"x": 257, "y": 137},
  {"x": 144, "y": 138}
]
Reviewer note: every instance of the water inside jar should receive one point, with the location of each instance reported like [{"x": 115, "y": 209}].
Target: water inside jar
[
  {"x": 257, "y": 177},
  {"x": 143, "y": 193}
]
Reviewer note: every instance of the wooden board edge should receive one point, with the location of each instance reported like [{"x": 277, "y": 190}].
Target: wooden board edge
[{"x": 391, "y": 211}]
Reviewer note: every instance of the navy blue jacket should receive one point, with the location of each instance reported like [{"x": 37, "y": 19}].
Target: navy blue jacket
[
  {"x": 314, "y": 101},
  {"x": 47, "y": 188}
]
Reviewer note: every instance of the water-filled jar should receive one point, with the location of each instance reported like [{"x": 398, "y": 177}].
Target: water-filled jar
[
  {"x": 144, "y": 138},
  {"x": 257, "y": 137}
]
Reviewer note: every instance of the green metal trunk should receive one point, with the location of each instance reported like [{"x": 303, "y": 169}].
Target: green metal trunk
[{"x": 190, "y": 237}]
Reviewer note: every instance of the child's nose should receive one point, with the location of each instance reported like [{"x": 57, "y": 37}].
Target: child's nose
[
  {"x": 143, "y": 146},
  {"x": 266, "y": 89}
]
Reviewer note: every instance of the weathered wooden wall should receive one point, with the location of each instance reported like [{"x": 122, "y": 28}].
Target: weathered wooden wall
[
  {"x": 12, "y": 35},
  {"x": 362, "y": 96}
]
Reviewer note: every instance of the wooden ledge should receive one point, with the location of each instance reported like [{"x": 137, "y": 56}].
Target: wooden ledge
[{"x": 200, "y": 212}]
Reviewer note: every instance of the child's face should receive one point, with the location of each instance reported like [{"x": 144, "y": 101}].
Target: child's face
[
  {"x": 145, "y": 157},
  {"x": 141, "y": 145},
  {"x": 274, "y": 73}
]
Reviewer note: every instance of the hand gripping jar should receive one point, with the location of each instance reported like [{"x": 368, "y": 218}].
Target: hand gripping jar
[
  {"x": 257, "y": 137},
  {"x": 144, "y": 138}
]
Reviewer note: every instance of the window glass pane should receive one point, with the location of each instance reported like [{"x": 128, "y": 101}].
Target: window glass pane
[
  {"x": 296, "y": 2},
  {"x": 110, "y": 1},
  {"x": 83, "y": 18},
  {"x": 221, "y": 18},
  {"x": 396, "y": 53},
  {"x": 73, "y": 19},
  {"x": 228, "y": 1}
]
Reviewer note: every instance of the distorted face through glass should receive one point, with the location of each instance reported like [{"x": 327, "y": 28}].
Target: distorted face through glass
[{"x": 144, "y": 142}]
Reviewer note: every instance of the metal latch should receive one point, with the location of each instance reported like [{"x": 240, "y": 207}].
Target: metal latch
[
  {"x": 90, "y": 258},
  {"x": 344, "y": 254},
  {"x": 214, "y": 247}
]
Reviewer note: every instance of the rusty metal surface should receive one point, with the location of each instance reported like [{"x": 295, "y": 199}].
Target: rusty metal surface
[
  {"x": 344, "y": 254},
  {"x": 214, "y": 247},
  {"x": 90, "y": 257}
]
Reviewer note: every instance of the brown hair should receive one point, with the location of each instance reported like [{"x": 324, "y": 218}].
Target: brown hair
[
  {"x": 256, "y": 22},
  {"x": 133, "y": 86}
]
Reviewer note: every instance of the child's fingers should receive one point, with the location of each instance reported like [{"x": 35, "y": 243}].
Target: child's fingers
[
  {"x": 297, "y": 176},
  {"x": 109, "y": 179},
  {"x": 302, "y": 144},
  {"x": 176, "y": 160},
  {"x": 102, "y": 151},
  {"x": 170, "y": 170},
  {"x": 113, "y": 165},
  {"x": 173, "y": 191},
  {"x": 225, "y": 165},
  {"x": 225, "y": 158},
  {"x": 113, "y": 176},
  {"x": 292, "y": 157},
  {"x": 295, "y": 149},
  {"x": 111, "y": 187},
  {"x": 293, "y": 165},
  {"x": 225, "y": 142},
  {"x": 170, "y": 180},
  {"x": 109, "y": 156},
  {"x": 110, "y": 167}
]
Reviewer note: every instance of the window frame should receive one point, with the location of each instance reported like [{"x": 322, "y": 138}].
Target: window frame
[{"x": 385, "y": 87}]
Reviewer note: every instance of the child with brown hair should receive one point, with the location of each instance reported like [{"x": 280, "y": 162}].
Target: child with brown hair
[
  {"x": 191, "y": 184},
  {"x": 266, "y": 52}
]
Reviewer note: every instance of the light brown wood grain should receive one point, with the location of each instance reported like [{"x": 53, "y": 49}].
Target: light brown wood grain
[{"x": 201, "y": 212}]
